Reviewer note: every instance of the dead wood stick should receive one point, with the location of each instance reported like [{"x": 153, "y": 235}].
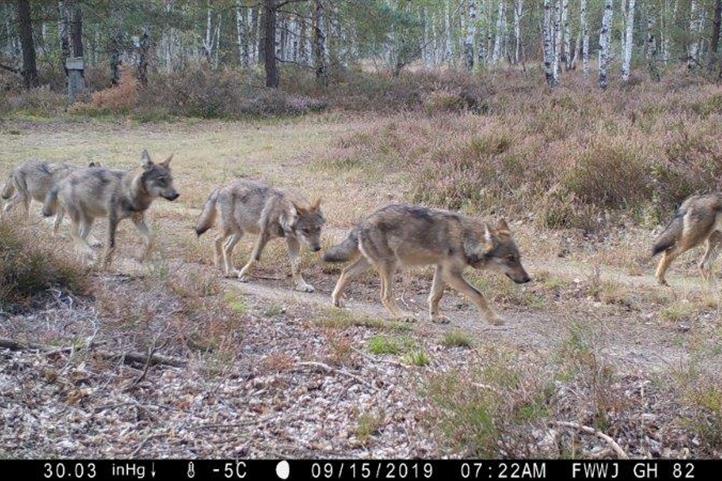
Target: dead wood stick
[
  {"x": 590, "y": 430},
  {"x": 328, "y": 368},
  {"x": 128, "y": 357}
]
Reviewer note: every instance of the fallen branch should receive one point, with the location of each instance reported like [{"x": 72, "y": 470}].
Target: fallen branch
[
  {"x": 145, "y": 441},
  {"x": 328, "y": 368},
  {"x": 590, "y": 430},
  {"x": 9, "y": 68},
  {"x": 127, "y": 357}
]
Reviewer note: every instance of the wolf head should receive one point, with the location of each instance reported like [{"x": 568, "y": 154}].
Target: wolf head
[
  {"x": 500, "y": 253},
  {"x": 157, "y": 178},
  {"x": 307, "y": 224}
]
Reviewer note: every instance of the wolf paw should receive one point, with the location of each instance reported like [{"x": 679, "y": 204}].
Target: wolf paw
[
  {"x": 495, "y": 320},
  {"x": 304, "y": 287},
  {"x": 439, "y": 319},
  {"x": 243, "y": 278},
  {"x": 406, "y": 317}
]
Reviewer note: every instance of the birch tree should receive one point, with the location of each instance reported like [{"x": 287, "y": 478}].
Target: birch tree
[
  {"x": 714, "y": 40},
  {"x": 557, "y": 37},
  {"x": 628, "y": 41},
  {"x": 242, "y": 34},
  {"x": 604, "y": 42},
  {"x": 651, "y": 43},
  {"x": 470, "y": 35},
  {"x": 319, "y": 44},
  {"x": 548, "y": 44},
  {"x": 567, "y": 34},
  {"x": 695, "y": 26},
  {"x": 500, "y": 33},
  {"x": 518, "y": 12},
  {"x": 585, "y": 36}
]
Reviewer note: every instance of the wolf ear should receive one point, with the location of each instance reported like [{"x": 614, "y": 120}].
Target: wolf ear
[
  {"x": 299, "y": 209},
  {"x": 166, "y": 162},
  {"x": 145, "y": 160},
  {"x": 316, "y": 205},
  {"x": 488, "y": 236},
  {"x": 503, "y": 227}
]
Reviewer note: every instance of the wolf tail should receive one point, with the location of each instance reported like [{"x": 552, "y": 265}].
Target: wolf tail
[
  {"x": 670, "y": 234},
  {"x": 8, "y": 188},
  {"x": 208, "y": 216},
  {"x": 50, "y": 206},
  {"x": 345, "y": 250}
]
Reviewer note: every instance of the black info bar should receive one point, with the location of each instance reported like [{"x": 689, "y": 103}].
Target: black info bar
[{"x": 347, "y": 469}]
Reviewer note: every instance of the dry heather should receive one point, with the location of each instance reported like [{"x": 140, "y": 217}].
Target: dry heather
[{"x": 568, "y": 157}]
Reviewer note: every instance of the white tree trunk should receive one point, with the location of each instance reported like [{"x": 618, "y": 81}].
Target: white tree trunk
[
  {"x": 241, "y": 34},
  {"x": 500, "y": 33},
  {"x": 481, "y": 43},
  {"x": 447, "y": 29},
  {"x": 470, "y": 35},
  {"x": 585, "y": 36},
  {"x": 695, "y": 27},
  {"x": 651, "y": 44},
  {"x": 557, "y": 37},
  {"x": 518, "y": 12},
  {"x": 628, "y": 41},
  {"x": 208, "y": 41},
  {"x": 548, "y": 38},
  {"x": 567, "y": 35},
  {"x": 604, "y": 42}
]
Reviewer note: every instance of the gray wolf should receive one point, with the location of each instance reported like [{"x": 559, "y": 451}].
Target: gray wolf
[
  {"x": 92, "y": 192},
  {"x": 253, "y": 207},
  {"x": 698, "y": 220},
  {"x": 412, "y": 235},
  {"x": 32, "y": 180}
]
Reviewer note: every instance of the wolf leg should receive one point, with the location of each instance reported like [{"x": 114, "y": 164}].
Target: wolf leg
[
  {"x": 139, "y": 222},
  {"x": 85, "y": 252},
  {"x": 710, "y": 254},
  {"x": 218, "y": 249},
  {"x": 349, "y": 273},
  {"x": 110, "y": 248},
  {"x": 457, "y": 281},
  {"x": 294, "y": 257},
  {"x": 228, "y": 254},
  {"x": 263, "y": 238},
  {"x": 667, "y": 257},
  {"x": 437, "y": 290},
  {"x": 58, "y": 220},
  {"x": 386, "y": 271}
]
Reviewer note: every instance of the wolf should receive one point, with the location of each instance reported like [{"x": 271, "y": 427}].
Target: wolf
[
  {"x": 92, "y": 192},
  {"x": 32, "y": 180},
  {"x": 698, "y": 220},
  {"x": 401, "y": 234},
  {"x": 256, "y": 208}
]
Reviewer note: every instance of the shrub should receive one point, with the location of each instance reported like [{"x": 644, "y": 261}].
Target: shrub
[
  {"x": 120, "y": 99},
  {"x": 29, "y": 267}
]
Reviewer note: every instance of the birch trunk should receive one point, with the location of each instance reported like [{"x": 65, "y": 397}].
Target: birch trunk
[
  {"x": 470, "y": 34},
  {"x": 557, "y": 37},
  {"x": 242, "y": 34},
  {"x": 319, "y": 44},
  {"x": 518, "y": 12},
  {"x": 500, "y": 32},
  {"x": 694, "y": 30},
  {"x": 447, "y": 30},
  {"x": 548, "y": 44},
  {"x": 585, "y": 36},
  {"x": 714, "y": 40},
  {"x": 481, "y": 53},
  {"x": 651, "y": 44},
  {"x": 208, "y": 41},
  {"x": 567, "y": 35},
  {"x": 628, "y": 41},
  {"x": 604, "y": 43}
]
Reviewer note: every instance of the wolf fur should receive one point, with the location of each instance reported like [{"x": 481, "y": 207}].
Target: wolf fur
[
  {"x": 33, "y": 180},
  {"x": 698, "y": 220},
  {"x": 88, "y": 193},
  {"x": 253, "y": 207},
  {"x": 401, "y": 234}
]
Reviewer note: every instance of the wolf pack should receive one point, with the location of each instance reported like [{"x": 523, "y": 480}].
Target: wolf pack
[{"x": 391, "y": 237}]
